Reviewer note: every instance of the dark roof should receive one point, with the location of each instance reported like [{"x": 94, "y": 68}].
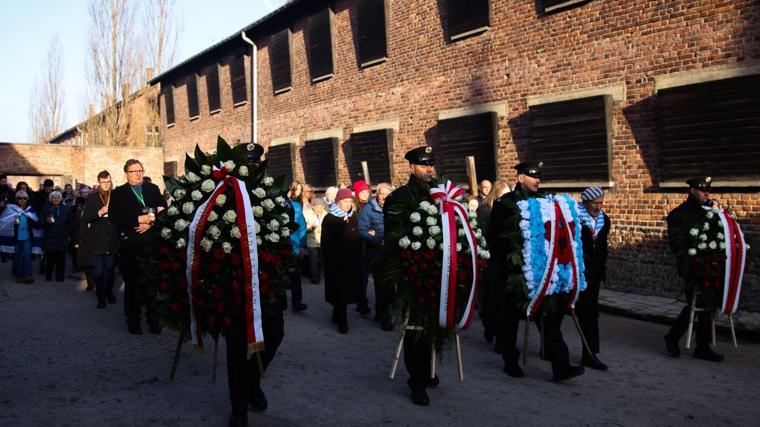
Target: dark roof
[{"x": 274, "y": 21}]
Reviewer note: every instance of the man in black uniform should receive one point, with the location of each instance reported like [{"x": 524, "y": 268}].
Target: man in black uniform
[
  {"x": 687, "y": 215},
  {"x": 396, "y": 211},
  {"x": 504, "y": 306},
  {"x": 133, "y": 210}
]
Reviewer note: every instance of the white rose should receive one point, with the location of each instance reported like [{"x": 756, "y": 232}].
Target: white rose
[
  {"x": 434, "y": 230},
  {"x": 694, "y": 232},
  {"x": 181, "y": 243},
  {"x": 715, "y": 209},
  {"x": 235, "y": 232},
  {"x": 257, "y": 227},
  {"x": 192, "y": 177},
  {"x": 205, "y": 170},
  {"x": 416, "y": 245},
  {"x": 166, "y": 233},
  {"x": 273, "y": 225},
  {"x": 172, "y": 211},
  {"x": 404, "y": 242},
  {"x": 473, "y": 224},
  {"x": 440, "y": 246},
  {"x": 417, "y": 231},
  {"x": 213, "y": 216},
  {"x": 712, "y": 245},
  {"x": 746, "y": 247},
  {"x": 280, "y": 200},
  {"x": 226, "y": 247},
  {"x": 478, "y": 234},
  {"x": 703, "y": 237},
  {"x": 274, "y": 238},
  {"x": 188, "y": 207},
  {"x": 268, "y": 204},
  {"x": 208, "y": 186},
  {"x": 258, "y": 211},
  {"x": 214, "y": 231},
  {"x": 432, "y": 210},
  {"x": 702, "y": 246},
  {"x": 285, "y": 218},
  {"x": 424, "y": 204},
  {"x": 179, "y": 193},
  {"x": 258, "y": 240},
  {"x": 243, "y": 170},
  {"x": 470, "y": 214},
  {"x": 230, "y": 216},
  {"x": 285, "y": 232},
  {"x": 221, "y": 200},
  {"x": 206, "y": 244},
  {"x": 460, "y": 232},
  {"x": 415, "y": 217},
  {"x": 484, "y": 254},
  {"x": 692, "y": 251},
  {"x": 722, "y": 245},
  {"x": 430, "y": 243},
  {"x": 721, "y": 236},
  {"x": 268, "y": 181},
  {"x": 706, "y": 226},
  {"x": 180, "y": 224},
  {"x": 259, "y": 192},
  {"x": 709, "y": 215},
  {"x": 459, "y": 247},
  {"x": 431, "y": 220},
  {"x": 196, "y": 195},
  {"x": 229, "y": 165}
]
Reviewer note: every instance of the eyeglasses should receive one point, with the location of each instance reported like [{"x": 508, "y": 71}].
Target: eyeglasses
[{"x": 136, "y": 171}]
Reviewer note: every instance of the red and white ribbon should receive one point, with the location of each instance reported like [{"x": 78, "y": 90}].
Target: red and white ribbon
[
  {"x": 249, "y": 256},
  {"x": 445, "y": 195},
  {"x": 736, "y": 257}
]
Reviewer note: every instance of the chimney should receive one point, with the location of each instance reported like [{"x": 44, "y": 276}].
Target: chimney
[{"x": 149, "y": 74}]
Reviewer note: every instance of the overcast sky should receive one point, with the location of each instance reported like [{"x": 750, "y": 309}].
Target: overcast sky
[{"x": 28, "y": 27}]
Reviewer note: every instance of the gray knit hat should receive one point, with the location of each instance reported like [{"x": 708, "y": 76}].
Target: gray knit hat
[{"x": 592, "y": 193}]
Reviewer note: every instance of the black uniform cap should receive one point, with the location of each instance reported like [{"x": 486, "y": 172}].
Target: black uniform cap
[
  {"x": 421, "y": 156},
  {"x": 700, "y": 183},
  {"x": 531, "y": 169}
]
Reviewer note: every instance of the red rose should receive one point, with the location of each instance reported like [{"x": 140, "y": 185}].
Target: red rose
[
  {"x": 235, "y": 286},
  {"x": 270, "y": 293},
  {"x": 181, "y": 284},
  {"x": 406, "y": 254},
  {"x": 421, "y": 301},
  {"x": 264, "y": 277},
  {"x": 164, "y": 250},
  {"x": 264, "y": 288},
  {"x": 235, "y": 259},
  {"x": 264, "y": 257},
  {"x": 218, "y": 254},
  {"x": 176, "y": 265},
  {"x": 214, "y": 267},
  {"x": 211, "y": 320},
  {"x": 182, "y": 253},
  {"x": 429, "y": 255},
  {"x": 163, "y": 267},
  {"x": 175, "y": 306},
  {"x": 237, "y": 301},
  {"x": 163, "y": 287},
  {"x": 227, "y": 321},
  {"x": 217, "y": 292},
  {"x": 220, "y": 308}
]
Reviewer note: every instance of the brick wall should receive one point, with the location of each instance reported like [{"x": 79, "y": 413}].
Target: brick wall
[
  {"x": 71, "y": 164},
  {"x": 524, "y": 54}
]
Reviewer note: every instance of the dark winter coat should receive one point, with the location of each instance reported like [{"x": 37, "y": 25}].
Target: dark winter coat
[
  {"x": 680, "y": 220},
  {"x": 595, "y": 253},
  {"x": 99, "y": 236},
  {"x": 124, "y": 210},
  {"x": 341, "y": 252},
  {"x": 56, "y": 234}
]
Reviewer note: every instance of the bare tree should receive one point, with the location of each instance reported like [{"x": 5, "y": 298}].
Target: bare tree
[
  {"x": 114, "y": 67},
  {"x": 160, "y": 31},
  {"x": 46, "y": 109}
]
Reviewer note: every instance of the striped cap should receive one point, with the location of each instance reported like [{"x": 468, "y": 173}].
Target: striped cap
[{"x": 592, "y": 193}]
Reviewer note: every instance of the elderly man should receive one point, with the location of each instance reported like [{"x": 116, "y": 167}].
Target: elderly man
[
  {"x": 504, "y": 306},
  {"x": 396, "y": 210},
  {"x": 680, "y": 220},
  {"x": 371, "y": 232},
  {"x": 132, "y": 209},
  {"x": 595, "y": 229},
  {"x": 56, "y": 219}
]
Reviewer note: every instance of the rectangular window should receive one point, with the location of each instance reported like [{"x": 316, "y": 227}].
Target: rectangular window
[
  {"x": 170, "y": 169},
  {"x": 467, "y": 17},
  {"x": 319, "y": 48},
  {"x": 467, "y": 136},
  {"x": 550, "y": 6},
  {"x": 280, "y": 161},
  {"x": 212, "y": 89},
  {"x": 371, "y": 147},
  {"x": 279, "y": 61},
  {"x": 192, "y": 96},
  {"x": 319, "y": 162},
  {"x": 373, "y": 45},
  {"x": 573, "y": 139},
  {"x": 710, "y": 128},
  {"x": 169, "y": 102},
  {"x": 237, "y": 80},
  {"x": 152, "y": 137}
]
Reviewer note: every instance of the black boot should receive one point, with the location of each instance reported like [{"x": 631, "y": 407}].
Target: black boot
[
  {"x": 420, "y": 397},
  {"x": 513, "y": 370},
  {"x": 704, "y": 352},
  {"x": 593, "y": 362},
  {"x": 570, "y": 372},
  {"x": 258, "y": 401},
  {"x": 672, "y": 346}
]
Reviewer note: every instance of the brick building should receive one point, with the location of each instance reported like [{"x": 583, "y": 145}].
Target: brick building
[{"x": 635, "y": 96}]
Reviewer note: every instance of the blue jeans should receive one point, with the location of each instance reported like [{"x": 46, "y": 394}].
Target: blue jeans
[
  {"x": 22, "y": 259},
  {"x": 103, "y": 267}
]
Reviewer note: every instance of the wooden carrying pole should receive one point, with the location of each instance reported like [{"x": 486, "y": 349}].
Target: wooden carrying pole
[
  {"x": 177, "y": 353},
  {"x": 525, "y": 341},
  {"x": 472, "y": 176},
  {"x": 460, "y": 370},
  {"x": 691, "y": 319},
  {"x": 733, "y": 331},
  {"x": 580, "y": 332}
]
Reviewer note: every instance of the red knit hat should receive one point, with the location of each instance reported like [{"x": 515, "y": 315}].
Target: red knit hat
[
  {"x": 344, "y": 193},
  {"x": 360, "y": 186}
]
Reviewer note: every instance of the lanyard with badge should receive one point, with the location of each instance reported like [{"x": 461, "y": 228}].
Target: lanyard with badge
[{"x": 141, "y": 199}]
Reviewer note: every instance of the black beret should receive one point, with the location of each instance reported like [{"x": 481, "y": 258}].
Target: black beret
[
  {"x": 421, "y": 156},
  {"x": 531, "y": 169},
  {"x": 700, "y": 183}
]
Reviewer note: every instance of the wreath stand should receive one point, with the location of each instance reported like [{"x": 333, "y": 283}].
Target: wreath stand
[
  {"x": 541, "y": 327},
  {"x": 692, "y": 312},
  {"x": 397, "y": 355},
  {"x": 178, "y": 352}
]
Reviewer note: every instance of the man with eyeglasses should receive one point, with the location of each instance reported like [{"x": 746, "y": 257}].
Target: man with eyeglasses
[
  {"x": 132, "y": 209},
  {"x": 100, "y": 243}
]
